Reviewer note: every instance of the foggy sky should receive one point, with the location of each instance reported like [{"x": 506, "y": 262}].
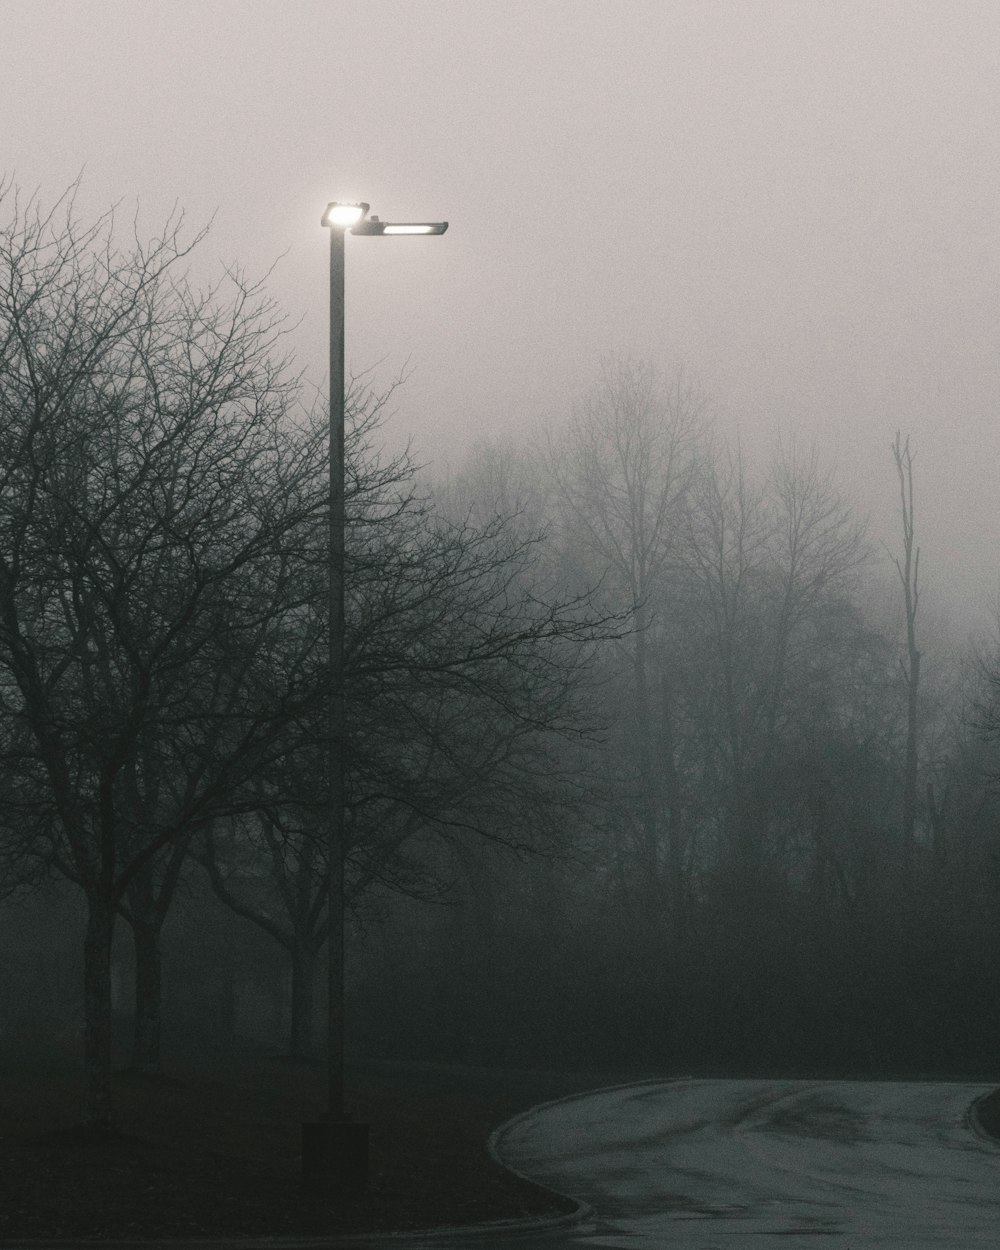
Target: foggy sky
[{"x": 799, "y": 202}]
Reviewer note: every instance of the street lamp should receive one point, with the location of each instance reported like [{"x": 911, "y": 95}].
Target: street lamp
[
  {"x": 374, "y": 226},
  {"x": 335, "y": 1149},
  {"x": 344, "y": 215}
]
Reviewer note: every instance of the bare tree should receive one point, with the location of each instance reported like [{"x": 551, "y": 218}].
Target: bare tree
[
  {"x": 623, "y": 473},
  {"x": 466, "y": 668},
  {"x": 767, "y": 561},
  {"x": 729, "y": 535},
  {"x": 817, "y": 544},
  {"x": 909, "y": 576},
  {"x": 144, "y": 529}
]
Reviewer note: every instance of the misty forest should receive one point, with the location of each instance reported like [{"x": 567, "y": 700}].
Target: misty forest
[{"x": 655, "y": 760}]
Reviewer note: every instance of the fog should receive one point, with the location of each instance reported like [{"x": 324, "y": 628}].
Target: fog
[
  {"x": 500, "y": 766},
  {"x": 798, "y": 203}
]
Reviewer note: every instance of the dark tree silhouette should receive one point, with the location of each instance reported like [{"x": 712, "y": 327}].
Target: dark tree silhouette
[
  {"x": 465, "y": 670},
  {"x": 908, "y": 570},
  {"x": 145, "y": 520}
]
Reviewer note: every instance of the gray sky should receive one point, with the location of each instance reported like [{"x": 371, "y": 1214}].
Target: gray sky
[{"x": 798, "y": 200}]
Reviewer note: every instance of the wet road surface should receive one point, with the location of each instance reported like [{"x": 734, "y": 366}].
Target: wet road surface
[{"x": 772, "y": 1165}]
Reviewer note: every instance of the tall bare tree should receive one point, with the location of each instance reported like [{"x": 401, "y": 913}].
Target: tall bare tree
[
  {"x": 145, "y": 526},
  {"x": 623, "y": 472},
  {"x": 466, "y": 692},
  {"x": 908, "y": 570},
  {"x": 767, "y": 559}
]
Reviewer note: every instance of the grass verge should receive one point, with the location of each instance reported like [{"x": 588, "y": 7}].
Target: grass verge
[{"x": 213, "y": 1150}]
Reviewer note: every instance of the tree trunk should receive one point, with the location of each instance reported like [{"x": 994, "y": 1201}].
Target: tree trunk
[
  {"x": 649, "y": 867},
  {"x": 909, "y": 819},
  {"x": 148, "y": 996},
  {"x": 303, "y": 999},
  {"x": 909, "y": 575},
  {"x": 937, "y": 829},
  {"x": 97, "y": 1012},
  {"x": 675, "y": 831}
]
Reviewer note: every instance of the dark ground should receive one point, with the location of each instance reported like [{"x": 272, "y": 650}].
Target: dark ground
[{"x": 213, "y": 1150}]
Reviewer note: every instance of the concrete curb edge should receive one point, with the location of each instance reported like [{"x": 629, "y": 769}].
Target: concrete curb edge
[
  {"x": 509, "y": 1230},
  {"x": 974, "y": 1122}
]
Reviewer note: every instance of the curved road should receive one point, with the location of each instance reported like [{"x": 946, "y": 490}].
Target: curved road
[{"x": 772, "y": 1165}]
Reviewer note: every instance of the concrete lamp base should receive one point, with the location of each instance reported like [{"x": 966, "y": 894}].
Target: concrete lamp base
[{"x": 334, "y": 1158}]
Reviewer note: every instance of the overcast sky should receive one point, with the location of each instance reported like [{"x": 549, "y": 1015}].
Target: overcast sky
[{"x": 797, "y": 201}]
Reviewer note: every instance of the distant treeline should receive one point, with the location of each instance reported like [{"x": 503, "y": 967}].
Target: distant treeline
[{"x": 640, "y": 769}]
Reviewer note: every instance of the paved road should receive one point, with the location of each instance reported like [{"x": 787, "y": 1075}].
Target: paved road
[{"x": 769, "y": 1165}]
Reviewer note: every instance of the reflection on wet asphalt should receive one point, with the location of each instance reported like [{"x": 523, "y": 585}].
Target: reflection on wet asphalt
[
  {"x": 767, "y": 1165},
  {"x": 695, "y": 1165}
]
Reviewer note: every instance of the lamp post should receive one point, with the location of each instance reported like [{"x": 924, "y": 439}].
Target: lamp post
[{"x": 335, "y": 1149}]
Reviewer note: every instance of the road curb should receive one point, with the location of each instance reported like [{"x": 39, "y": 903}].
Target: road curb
[
  {"x": 493, "y": 1144},
  {"x": 417, "y": 1239},
  {"x": 974, "y": 1120}
]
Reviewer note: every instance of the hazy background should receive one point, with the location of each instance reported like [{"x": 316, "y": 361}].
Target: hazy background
[{"x": 799, "y": 202}]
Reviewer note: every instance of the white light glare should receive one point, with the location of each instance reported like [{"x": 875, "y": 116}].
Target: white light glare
[
  {"x": 344, "y": 214},
  {"x": 422, "y": 229}
]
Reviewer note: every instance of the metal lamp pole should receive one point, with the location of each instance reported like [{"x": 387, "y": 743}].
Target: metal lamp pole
[
  {"x": 336, "y": 847},
  {"x": 335, "y": 1149}
]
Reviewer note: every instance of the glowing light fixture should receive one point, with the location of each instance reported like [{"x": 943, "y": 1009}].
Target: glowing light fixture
[
  {"x": 346, "y": 215},
  {"x": 427, "y": 227},
  {"x": 375, "y": 226}
]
